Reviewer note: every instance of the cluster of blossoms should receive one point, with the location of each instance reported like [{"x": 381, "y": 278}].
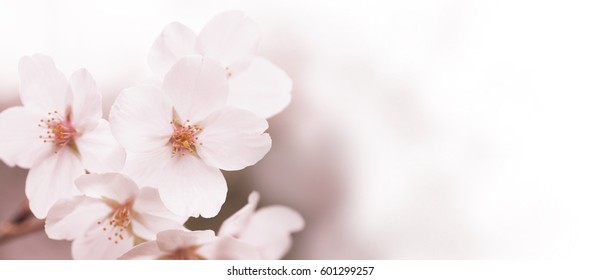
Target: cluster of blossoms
[{"x": 124, "y": 188}]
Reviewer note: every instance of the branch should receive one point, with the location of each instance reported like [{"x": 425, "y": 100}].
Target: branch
[{"x": 21, "y": 224}]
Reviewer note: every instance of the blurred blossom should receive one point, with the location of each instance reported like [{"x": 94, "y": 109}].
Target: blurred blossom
[
  {"x": 269, "y": 229},
  {"x": 231, "y": 39},
  {"x": 192, "y": 245}
]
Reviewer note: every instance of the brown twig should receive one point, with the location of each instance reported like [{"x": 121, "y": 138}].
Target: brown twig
[{"x": 21, "y": 224}]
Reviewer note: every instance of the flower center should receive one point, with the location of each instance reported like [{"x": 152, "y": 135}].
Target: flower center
[
  {"x": 184, "y": 138},
  {"x": 118, "y": 222},
  {"x": 59, "y": 129},
  {"x": 188, "y": 253}
]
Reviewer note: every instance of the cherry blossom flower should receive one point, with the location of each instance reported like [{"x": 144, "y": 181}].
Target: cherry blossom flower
[
  {"x": 231, "y": 39},
  {"x": 192, "y": 245},
  {"x": 110, "y": 217},
  {"x": 58, "y": 132},
  {"x": 178, "y": 137},
  {"x": 268, "y": 229}
]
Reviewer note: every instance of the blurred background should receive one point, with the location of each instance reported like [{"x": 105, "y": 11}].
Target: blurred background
[{"x": 417, "y": 129}]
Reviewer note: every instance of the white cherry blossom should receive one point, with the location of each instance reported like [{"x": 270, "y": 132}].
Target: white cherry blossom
[
  {"x": 111, "y": 216},
  {"x": 268, "y": 229},
  {"x": 192, "y": 245},
  {"x": 231, "y": 39},
  {"x": 178, "y": 136},
  {"x": 58, "y": 132}
]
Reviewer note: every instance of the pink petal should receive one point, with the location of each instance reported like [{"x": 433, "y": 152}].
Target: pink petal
[
  {"x": 262, "y": 88},
  {"x": 87, "y": 101},
  {"x": 235, "y": 224},
  {"x": 173, "y": 43},
  {"x": 43, "y": 88},
  {"x": 270, "y": 230},
  {"x": 187, "y": 186},
  {"x": 171, "y": 240},
  {"x": 140, "y": 119},
  {"x": 70, "y": 218},
  {"x": 229, "y": 37},
  {"x": 197, "y": 86},
  {"x": 114, "y": 186},
  {"x": 147, "y": 226},
  {"x": 227, "y": 248},
  {"x": 145, "y": 251},
  {"x": 19, "y": 137},
  {"x": 152, "y": 217},
  {"x": 99, "y": 150},
  {"x": 96, "y": 245},
  {"x": 51, "y": 179},
  {"x": 233, "y": 139},
  {"x": 148, "y": 202}
]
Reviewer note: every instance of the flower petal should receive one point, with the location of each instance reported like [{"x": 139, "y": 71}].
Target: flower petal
[
  {"x": 51, "y": 179},
  {"x": 87, "y": 100},
  {"x": 262, "y": 88},
  {"x": 233, "y": 139},
  {"x": 19, "y": 137},
  {"x": 235, "y": 224},
  {"x": 98, "y": 244},
  {"x": 227, "y": 248},
  {"x": 147, "y": 226},
  {"x": 99, "y": 150},
  {"x": 140, "y": 119},
  {"x": 113, "y": 186},
  {"x": 171, "y": 240},
  {"x": 229, "y": 37},
  {"x": 187, "y": 186},
  {"x": 43, "y": 88},
  {"x": 197, "y": 86},
  {"x": 270, "y": 228},
  {"x": 173, "y": 43},
  {"x": 151, "y": 215},
  {"x": 148, "y": 202},
  {"x": 70, "y": 218},
  {"x": 145, "y": 251}
]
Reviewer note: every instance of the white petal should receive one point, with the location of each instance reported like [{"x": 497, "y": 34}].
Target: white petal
[
  {"x": 173, "y": 43},
  {"x": 43, "y": 88},
  {"x": 19, "y": 137},
  {"x": 96, "y": 245},
  {"x": 145, "y": 251},
  {"x": 227, "y": 248},
  {"x": 235, "y": 224},
  {"x": 114, "y": 186},
  {"x": 187, "y": 186},
  {"x": 171, "y": 240},
  {"x": 270, "y": 229},
  {"x": 148, "y": 202},
  {"x": 229, "y": 37},
  {"x": 262, "y": 88},
  {"x": 147, "y": 226},
  {"x": 233, "y": 139},
  {"x": 99, "y": 150},
  {"x": 151, "y": 215},
  {"x": 140, "y": 119},
  {"x": 87, "y": 101},
  {"x": 146, "y": 168},
  {"x": 52, "y": 179},
  {"x": 197, "y": 86},
  {"x": 70, "y": 218}
]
